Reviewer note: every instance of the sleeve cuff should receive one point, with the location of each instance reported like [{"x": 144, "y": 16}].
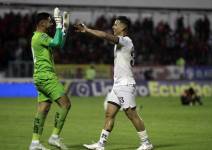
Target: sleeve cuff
[{"x": 59, "y": 26}]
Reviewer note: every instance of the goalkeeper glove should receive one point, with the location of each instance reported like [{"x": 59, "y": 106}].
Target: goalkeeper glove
[
  {"x": 66, "y": 21},
  {"x": 57, "y": 18}
]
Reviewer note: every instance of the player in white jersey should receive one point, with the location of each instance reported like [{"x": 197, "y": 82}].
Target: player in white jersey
[{"x": 124, "y": 90}]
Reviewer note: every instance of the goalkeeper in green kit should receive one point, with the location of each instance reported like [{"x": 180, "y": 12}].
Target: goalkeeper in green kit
[{"x": 48, "y": 85}]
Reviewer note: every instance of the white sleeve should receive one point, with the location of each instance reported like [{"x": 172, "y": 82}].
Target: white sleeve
[{"x": 124, "y": 40}]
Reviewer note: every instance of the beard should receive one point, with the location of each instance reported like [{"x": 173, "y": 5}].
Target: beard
[{"x": 51, "y": 30}]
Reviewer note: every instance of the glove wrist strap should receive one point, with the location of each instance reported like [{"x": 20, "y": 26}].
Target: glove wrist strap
[{"x": 58, "y": 25}]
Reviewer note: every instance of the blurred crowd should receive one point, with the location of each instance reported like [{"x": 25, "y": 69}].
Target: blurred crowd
[
  {"x": 155, "y": 44},
  {"x": 16, "y": 32}
]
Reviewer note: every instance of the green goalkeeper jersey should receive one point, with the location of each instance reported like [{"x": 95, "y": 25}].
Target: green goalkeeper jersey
[{"x": 42, "y": 45}]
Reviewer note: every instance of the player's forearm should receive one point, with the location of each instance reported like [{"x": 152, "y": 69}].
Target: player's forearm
[
  {"x": 57, "y": 40},
  {"x": 103, "y": 35}
]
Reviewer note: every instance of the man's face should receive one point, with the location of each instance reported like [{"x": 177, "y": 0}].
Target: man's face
[
  {"x": 118, "y": 27},
  {"x": 48, "y": 24}
]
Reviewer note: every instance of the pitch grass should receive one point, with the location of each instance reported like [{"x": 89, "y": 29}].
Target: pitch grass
[{"x": 170, "y": 125}]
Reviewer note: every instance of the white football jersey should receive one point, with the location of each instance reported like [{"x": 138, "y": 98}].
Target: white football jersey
[{"x": 123, "y": 61}]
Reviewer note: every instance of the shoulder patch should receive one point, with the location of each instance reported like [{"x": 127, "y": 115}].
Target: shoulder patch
[{"x": 44, "y": 36}]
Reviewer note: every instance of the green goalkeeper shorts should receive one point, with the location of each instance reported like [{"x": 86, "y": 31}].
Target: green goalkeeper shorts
[{"x": 49, "y": 87}]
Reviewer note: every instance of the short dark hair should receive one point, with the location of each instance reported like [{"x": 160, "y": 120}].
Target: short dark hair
[
  {"x": 124, "y": 20},
  {"x": 41, "y": 16}
]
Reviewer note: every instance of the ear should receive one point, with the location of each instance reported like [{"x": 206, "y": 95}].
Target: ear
[
  {"x": 124, "y": 28},
  {"x": 41, "y": 23}
]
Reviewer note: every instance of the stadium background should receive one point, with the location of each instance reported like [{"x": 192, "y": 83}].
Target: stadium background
[{"x": 163, "y": 31}]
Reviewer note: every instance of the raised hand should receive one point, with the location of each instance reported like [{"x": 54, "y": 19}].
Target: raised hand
[
  {"x": 66, "y": 21},
  {"x": 80, "y": 27},
  {"x": 58, "y": 18}
]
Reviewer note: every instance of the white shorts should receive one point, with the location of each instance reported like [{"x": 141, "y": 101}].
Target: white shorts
[{"x": 122, "y": 96}]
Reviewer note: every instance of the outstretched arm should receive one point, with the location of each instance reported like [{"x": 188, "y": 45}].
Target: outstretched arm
[
  {"x": 57, "y": 40},
  {"x": 58, "y": 37},
  {"x": 97, "y": 33}
]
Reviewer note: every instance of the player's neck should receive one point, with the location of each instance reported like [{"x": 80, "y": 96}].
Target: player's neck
[
  {"x": 40, "y": 30},
  {"x": 122, "y": 34}
]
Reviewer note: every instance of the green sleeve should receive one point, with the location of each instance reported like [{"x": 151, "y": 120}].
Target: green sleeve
[
  {"x": 44, "y": 39},
  {"x": 57, "y": 40}
]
